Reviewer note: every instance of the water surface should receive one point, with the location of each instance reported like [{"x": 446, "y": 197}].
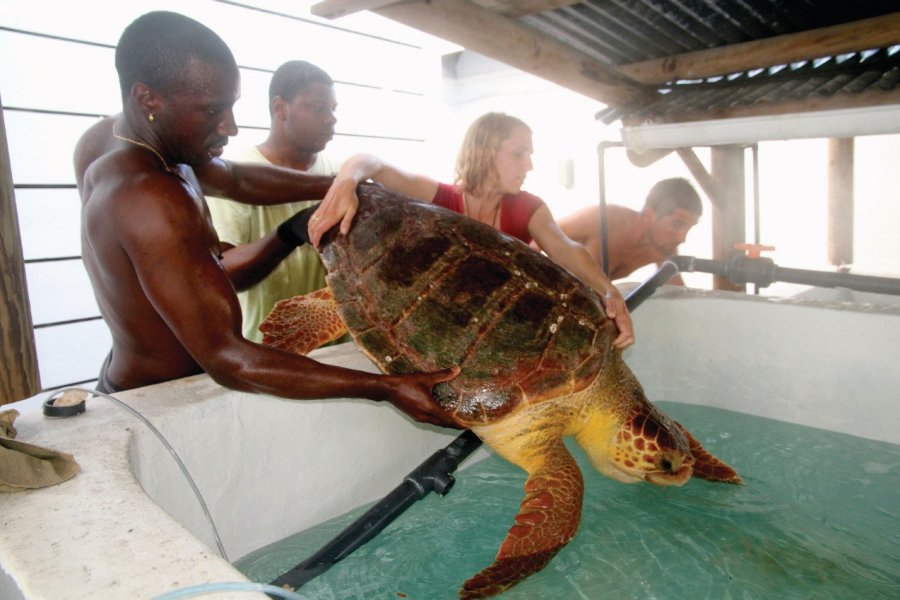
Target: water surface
[{"x": 817, "y": 518}]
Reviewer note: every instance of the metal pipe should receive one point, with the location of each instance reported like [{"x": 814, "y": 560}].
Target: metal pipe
[
  {"x": 756, "y": 215},
  {"x": 862, "y": 283},
  {"x": 742, "y": 269},
  {"x": 604, "y": 231},
  {"x": 666, "y": 271},
  {"x": 432, "y": 475}
]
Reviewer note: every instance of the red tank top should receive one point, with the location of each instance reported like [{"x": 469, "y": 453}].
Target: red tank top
[{"x": 516, "y": 210}]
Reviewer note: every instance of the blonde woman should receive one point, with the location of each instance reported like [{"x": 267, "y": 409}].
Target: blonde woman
[{"x": 491, "y": 168}]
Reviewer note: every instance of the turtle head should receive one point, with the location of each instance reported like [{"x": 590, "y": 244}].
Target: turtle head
[{"x": 642, "y": 444}]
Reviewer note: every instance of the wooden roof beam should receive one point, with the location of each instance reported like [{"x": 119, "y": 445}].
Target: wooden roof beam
[
  {"x": 332, "y": 9},
  {"x": 877, "y": 32},
  {"x": 509, "y": 41},
  {"x": 520, "y": 8}
]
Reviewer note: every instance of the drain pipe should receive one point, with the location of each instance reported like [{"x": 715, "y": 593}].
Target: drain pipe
[
  {"x": 604, "y": 233},
  {"x": 666, "y": 271},
  {"x": 761, "y": 271},
  {"x": 433, "y": 475}
]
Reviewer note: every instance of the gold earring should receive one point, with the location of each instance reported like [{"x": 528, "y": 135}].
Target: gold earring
[{"x": 150, "y": 117}]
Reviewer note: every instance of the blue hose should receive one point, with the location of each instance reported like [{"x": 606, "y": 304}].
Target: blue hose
[
  {"x": 172, "y": 452},
  {"x": 227, "y": 586}
]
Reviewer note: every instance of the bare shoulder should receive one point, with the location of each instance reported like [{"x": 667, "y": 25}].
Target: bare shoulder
[
  {"x": 127, "y": 195},
  {"x": 95, "y": 142},
  {"x": 584, "y": 221},
  {"x": 588, "y": 212},
  {"x": 617, "y": 214}
]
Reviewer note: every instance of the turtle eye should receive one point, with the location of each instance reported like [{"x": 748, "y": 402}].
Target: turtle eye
[{"x": 666, "y": 465}]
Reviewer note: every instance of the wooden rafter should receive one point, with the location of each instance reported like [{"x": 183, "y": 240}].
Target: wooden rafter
[
  {"x": 506, "y": 40},
  {"x": 701, "y": 175},
  {"x": 877, "y": 32},
  {"x": 509, "y": 41},
  {"x": 332, "y": 9},
  {"x": 520, "y": 8}
]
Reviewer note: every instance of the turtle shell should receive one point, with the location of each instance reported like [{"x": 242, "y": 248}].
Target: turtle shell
[{"x": 422, "y": 288}]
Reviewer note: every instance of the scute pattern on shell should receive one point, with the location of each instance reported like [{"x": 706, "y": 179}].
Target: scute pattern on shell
[{"x": 422, "y": 290}]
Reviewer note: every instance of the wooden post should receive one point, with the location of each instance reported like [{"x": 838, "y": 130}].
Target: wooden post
[
  {"x": 19, "y": 378},
  {"x": 840, "y": 201},
  {"x": 729, "y": 213}
]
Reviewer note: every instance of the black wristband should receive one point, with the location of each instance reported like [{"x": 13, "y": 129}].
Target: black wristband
[{"x": 294, "y": 231}]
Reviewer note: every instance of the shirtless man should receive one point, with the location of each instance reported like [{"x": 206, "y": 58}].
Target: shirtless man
[
  {"x": 636, "y": 239},
  {"x": 149, "y": 247}
]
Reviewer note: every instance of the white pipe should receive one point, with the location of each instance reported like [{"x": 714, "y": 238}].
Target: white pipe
[{"x": 846, "y": 123}]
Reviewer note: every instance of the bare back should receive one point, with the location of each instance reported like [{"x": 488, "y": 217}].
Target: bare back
[
  {"x": 143, "y": 229},
  {"x": 626, "y": 244}
]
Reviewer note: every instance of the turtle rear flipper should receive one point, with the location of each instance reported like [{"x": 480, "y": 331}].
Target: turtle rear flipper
[
  {"x": 548, "y": 518},
  {"x": 707, "y": 466},
  {"x": 303, "y": 323}
]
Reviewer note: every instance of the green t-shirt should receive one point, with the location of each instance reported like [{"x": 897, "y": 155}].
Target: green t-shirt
[{"x": 236, "y": 223}]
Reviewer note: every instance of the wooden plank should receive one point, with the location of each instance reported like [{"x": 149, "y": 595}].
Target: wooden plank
[
  {"x": 19, "y": 377},
  {"x": 332, "y": 9},
  {"x": 700, "y": 174},
  {"x": 877, "y": 32},
  {"x": 728, "y": 214},
  {"x": 840, "y": 202},
  {"x": 508, "y": 41},
  {"x": 520, "y": 8}
]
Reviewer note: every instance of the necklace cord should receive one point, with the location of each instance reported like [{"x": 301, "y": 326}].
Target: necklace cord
[
  {"x": 494, "y": 219},
  {"x": 145, "y": 146}
]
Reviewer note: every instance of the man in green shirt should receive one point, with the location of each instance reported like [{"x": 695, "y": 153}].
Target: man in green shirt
[{"x": 301, "y": 104}]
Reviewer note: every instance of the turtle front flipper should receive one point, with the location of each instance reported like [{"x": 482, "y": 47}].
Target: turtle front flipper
[
  {"x": 707, "y": 466},
  {"x": 548, "y": 518},
  {"x": 303, "y": 323}
]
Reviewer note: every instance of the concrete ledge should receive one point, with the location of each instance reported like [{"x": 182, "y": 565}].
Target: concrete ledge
[{"x": 267, "y": 468}]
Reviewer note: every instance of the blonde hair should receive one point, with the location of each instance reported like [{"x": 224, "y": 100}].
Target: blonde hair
[{"x": 475, "y": 161}]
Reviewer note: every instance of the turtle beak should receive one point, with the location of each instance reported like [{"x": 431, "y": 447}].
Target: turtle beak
[{"x": 673, "y": 469}]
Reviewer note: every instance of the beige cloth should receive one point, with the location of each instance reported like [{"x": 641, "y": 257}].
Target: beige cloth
[{"x": 26, "y": 466}]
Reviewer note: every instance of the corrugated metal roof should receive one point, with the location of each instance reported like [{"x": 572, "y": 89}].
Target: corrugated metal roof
[
  {"x": 621, "y": 32},
  {"x": 617, "y": 32},
  {"x": 804, "y": 82}
]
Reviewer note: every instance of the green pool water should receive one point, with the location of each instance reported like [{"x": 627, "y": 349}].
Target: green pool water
[{"x": 819, "y": 517}]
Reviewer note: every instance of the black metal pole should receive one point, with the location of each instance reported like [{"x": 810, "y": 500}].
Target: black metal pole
[
  {"x": 862, "y": 283},
  {"x": 635, "y": 297},
  {"x": 432, "y": 475},
  {"x": 763, "y": 272},
  {"x": 604, "y": 229}
]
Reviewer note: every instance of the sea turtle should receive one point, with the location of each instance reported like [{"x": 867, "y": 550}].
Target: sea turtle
[{"x": 421, "y": 289}]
